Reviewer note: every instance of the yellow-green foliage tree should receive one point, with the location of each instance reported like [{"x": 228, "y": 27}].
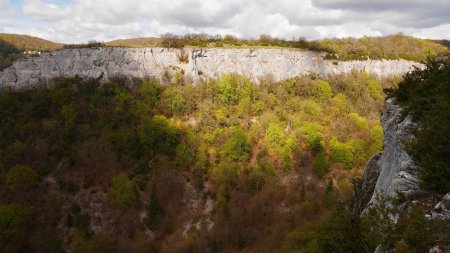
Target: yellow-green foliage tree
[
  {"x": 237, "y": 147},
  {"x": 232, "y": 88},
  {"x": 312, "y": 134}
]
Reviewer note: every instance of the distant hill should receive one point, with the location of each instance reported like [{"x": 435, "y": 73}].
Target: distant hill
[
  {"x": 136, "y": 42},
  {"x": 26, "y": 42}
]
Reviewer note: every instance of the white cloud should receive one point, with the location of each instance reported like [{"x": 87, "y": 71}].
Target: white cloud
[
  {"x": 6, "y": 9},
  {"x": 82, "y": 20}
]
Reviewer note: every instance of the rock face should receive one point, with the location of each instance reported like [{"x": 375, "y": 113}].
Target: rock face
[
  {"x": 397, "y": 171},
  {"x": 195, "y": 64}
]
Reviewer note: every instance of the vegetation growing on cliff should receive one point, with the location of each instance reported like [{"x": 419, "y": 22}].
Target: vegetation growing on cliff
[{"x": 424, "y": 94}]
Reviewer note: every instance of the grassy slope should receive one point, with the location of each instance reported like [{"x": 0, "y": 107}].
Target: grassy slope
[{"x": 26, "y": 42}]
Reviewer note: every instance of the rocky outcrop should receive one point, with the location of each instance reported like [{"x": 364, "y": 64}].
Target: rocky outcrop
[
  {"x": 398, "y": 173},
  {"x": 441, "y": 210},
  {"x": 195, "y": 64}
]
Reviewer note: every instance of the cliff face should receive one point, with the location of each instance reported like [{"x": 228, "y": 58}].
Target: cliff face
[
  {"x": 103, "y": 63},
  {"x": 395, "y": 171}
]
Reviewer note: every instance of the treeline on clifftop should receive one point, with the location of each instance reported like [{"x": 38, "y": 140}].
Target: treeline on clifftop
[
  {"x": 273, "y": 159},
  {"x": 425, "y": 95},
  {"x": 388, "y": 47}
]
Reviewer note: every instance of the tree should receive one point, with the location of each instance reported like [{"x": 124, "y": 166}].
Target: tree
[
  {"x": 312, "y": 133},
  {"x": 318, "y": 89},
  {"x": 341, "y": 152},
  {"x": 224, "y": 173},
  {"x": 122, "y": 190},
  {"x": 232, "y": 88},
  {"x": 21, "y": 177},
  {"x": 320, "y": 164},
  {"x": 237, "y": 147}
]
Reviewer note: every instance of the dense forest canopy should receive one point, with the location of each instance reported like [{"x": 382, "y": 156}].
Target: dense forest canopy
[{"x": 143, "y": 145}]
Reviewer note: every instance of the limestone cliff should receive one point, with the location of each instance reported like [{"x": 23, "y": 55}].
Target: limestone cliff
[
  {"x": 395, "y": 171},
  {"x": 196, "y": 64}
]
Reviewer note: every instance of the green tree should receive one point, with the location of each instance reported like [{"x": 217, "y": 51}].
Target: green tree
[
  {"x": 122, "y": 190},
  {"x": 341, "y": 152},
  {"x": 232, "y": 88},
  {"x": 156, "y": 132},
  {"x": 175, "y": 101},
  {"x": 320, "y": 164},
  {"x": 237, "y": 147},
  {"x": 21, "y": 177},
  {"x": 318, "y": 89},
  {"x": 312, "y": 134}
]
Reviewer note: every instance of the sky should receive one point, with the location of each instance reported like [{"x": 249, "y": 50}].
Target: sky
[{"x": 78, "y": 21}]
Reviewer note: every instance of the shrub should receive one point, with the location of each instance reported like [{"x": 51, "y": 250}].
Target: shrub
[
  {"x": 122, "y": 190},
  {"x": 21, "y": 177}
]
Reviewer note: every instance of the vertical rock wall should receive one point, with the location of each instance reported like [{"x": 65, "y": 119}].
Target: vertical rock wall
[{"x": 196, "y": 64}]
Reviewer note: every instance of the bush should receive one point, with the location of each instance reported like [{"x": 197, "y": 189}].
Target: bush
[
  {"x": 21, "y": 177},
  {"x": 122, "y": 191}
]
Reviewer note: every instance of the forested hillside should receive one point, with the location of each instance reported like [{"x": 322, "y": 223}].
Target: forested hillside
[{"x": 226, "y": 166}]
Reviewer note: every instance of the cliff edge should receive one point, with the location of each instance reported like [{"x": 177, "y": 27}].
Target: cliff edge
[{"x": 193, "y": 64}]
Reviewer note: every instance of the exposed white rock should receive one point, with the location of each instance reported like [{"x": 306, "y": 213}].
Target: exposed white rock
[
  {"x": 398, "y": 172},
  {"x": 103, "y": 63}
]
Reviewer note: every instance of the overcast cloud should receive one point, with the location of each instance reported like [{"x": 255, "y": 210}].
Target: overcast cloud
[{"x": 73, "y": 21}]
